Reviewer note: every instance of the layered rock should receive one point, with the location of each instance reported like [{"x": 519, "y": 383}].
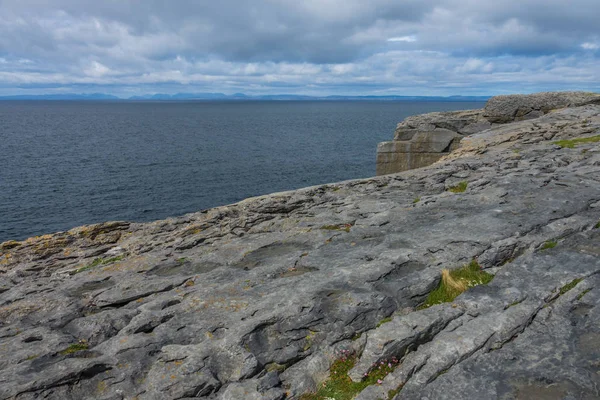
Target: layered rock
[
  {"x": 422, "y": 140},
  {"x": 257, "y": 299}
]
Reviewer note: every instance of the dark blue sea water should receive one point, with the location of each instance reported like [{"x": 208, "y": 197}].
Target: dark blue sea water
[{"x": 64, "y": 164}]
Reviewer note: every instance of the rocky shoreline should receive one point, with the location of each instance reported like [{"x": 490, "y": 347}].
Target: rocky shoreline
[{"x": 257, "y": 300}]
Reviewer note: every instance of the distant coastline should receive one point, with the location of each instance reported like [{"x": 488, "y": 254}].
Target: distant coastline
[{"x": 235, "y": 97}]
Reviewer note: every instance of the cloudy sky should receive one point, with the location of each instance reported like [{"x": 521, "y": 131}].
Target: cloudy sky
[{"x": 317, "y": 47}]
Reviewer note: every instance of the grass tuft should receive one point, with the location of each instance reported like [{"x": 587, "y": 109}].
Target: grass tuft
[
  {"x": 455, "y": 282},
  {"x": 583, "y": 293},
  {"x": 416, "y": 200},
  {"x": 384, "y": 321},
  {"x": 459, "y": 187},
  {"x": 74, "y": 348},
  {"x": 571, "y": 143},
  {"x": 549, "y": 244},
  {"x": 99, "y": 261},
  {"x": 569, "y": 286},
  {"x": 339, "y": 386}
]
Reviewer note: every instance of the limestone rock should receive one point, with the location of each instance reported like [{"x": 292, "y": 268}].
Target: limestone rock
[
  {"x": 257, "y": 299},
  {"x": 425, "y": 133},
  {"x": 515, "y": 107}
]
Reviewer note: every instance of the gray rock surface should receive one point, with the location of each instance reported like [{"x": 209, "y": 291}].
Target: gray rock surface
[
  {"x": 257, "y": 299},
  {"x": 421, "y": 140},
  {"x": 518, "y": 107}
]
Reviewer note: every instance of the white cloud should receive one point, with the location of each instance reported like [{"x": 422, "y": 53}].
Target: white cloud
[
  {"x": 324, "y": 46},
  {"x": 408, "y": 39},
  {"x": 590, "y": 46},
  {"x": 97, "y": 70}
]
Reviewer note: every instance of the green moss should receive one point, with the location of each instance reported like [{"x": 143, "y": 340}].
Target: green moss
[
  {"x": 550, "y": 244},
  {"x": 356, "y": 337},
  {"x": 569, "y": 286},
  {"x": 583, "y": 293},
  {"x": 384, "y": 321},
  {"x": 571, "y": 143},
  {"x": 459, "y": 187},
  {"x": 309, "y": 340},
  {"x": 339, "y": 386},
  {"x": 99, "y": 261},
  {"x": 181, "y": 260},
  {"x": 275, "y": 367},
  {"x": 416, "y": 200},
  {"x": 32, "y": 357},
  {"x": 597, "y": 226},
  {"x": 74, "y": 348},
  {"x": 514, "y": 303},
  {"x": 469, "y": 275},
  {"x": 338, "y": 227}
]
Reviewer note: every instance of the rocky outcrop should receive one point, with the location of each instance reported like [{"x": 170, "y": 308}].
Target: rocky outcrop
[
  {"x": 422, "y": 140},
  {"x": 256, "y": 300},
  {"x": 514, "y": 107}
]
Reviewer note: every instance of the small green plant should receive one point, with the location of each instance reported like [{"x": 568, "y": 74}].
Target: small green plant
[
  {"x": 275, "y": 367},
  {"x": 597, "y": 226},
  {"x": 99, "y": 261},
  {"x": 384, "y": 321},
  {"x": 338, "y": 227},
  {"x": 455, "y": 282},
  {"x": 583, "y": 293},
  {"x": 571, "y": 143},
  {"x": 514, "y": 303},
  {"x": 549, "y": 244},
  {"x": 339, "y": 386},
  {"x": 416, "y": 200},
  {"x": 74, "y": 348},
  {"x": 569, "y": 286},
  {"x": 459, "y": 187},
  {"x": 181, "y": 260}
]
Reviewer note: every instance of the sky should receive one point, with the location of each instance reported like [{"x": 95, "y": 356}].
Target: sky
[{"x": 310, "y": 47}]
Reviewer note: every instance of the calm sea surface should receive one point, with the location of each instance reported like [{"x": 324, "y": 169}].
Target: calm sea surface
[{"x": 64, "y": 164}]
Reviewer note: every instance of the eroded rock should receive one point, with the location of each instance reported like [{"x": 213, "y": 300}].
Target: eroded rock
[
  {"x": 423, "y": 139},
  {"x": 257, "y": 299}
]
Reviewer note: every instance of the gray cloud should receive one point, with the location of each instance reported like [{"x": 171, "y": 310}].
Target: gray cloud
[{"x": 314, "y": 46}]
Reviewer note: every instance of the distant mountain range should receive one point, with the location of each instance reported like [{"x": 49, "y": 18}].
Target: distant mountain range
[{"x": 236, "y": 96}]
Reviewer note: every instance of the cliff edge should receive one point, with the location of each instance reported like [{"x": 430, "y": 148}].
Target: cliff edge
[
  {"x": 281, "y": 296},
  {"x": 421, "y": 140}
]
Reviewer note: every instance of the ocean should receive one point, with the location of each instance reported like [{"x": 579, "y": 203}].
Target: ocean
[{"x": 65, "y": 164}]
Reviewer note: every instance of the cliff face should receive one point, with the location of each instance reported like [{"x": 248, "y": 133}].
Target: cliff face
[
  {"x": 258, "y": 299},
  {"x": 422, "y": 140}
]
